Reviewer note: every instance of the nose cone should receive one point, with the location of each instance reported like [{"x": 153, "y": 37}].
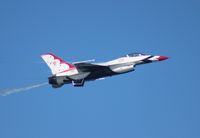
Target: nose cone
[{"x": 161, "y": 58}]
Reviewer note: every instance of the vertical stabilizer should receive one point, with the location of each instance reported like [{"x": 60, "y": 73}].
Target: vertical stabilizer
[{"x": 57, "y": 65}]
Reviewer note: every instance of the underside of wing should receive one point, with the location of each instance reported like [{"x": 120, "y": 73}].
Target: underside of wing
[
  {"x": 96, "y": 71},
  {"x": 88, "y": 67}
]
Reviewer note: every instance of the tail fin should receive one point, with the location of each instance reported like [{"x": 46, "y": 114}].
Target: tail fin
[{"x": 56, "y": 64}]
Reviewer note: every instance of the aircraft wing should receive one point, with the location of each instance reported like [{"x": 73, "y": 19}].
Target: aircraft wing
[
  {"x": 95, "y": 71},
  {"x": 89, "y": 67},
  {"x": 84, "y": 61}
]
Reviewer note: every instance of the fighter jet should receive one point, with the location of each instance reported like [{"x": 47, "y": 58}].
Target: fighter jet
[{"x": 79, "y": 72}]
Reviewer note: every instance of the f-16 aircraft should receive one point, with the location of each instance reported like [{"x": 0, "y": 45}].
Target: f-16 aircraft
[{"x": 80, "y": 72}]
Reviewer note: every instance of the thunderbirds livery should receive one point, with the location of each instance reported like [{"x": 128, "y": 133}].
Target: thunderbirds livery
[{"x": 79, "y": 72}]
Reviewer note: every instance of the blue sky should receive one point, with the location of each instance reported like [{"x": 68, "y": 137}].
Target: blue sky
[{"x": 159, "y": 100}]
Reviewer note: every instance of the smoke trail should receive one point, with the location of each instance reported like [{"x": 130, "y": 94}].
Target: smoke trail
[{"x": 6, "y": 92}]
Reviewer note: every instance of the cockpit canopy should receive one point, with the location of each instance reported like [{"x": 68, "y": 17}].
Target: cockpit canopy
[{"x": 134, "y": 55}]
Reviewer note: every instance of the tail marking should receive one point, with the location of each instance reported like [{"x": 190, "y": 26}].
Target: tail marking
[{"x": 56, "y": 64}]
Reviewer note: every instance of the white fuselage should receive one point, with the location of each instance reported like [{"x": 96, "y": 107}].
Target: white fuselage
[{"x": 124, "y": 64}]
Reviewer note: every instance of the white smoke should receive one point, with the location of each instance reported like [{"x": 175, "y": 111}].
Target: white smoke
[{"x": 6, "y": 92}]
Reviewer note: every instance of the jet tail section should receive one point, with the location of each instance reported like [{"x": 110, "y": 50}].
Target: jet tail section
[{"x": 58, "y": 66}]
